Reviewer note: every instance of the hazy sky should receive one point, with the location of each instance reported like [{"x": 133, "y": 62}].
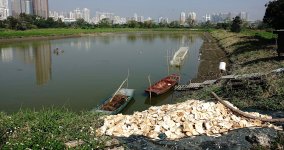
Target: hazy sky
[{"x": 163, "y": 8}]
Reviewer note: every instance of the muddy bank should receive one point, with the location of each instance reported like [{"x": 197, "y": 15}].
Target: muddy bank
[{"x": 211, "y": 54}]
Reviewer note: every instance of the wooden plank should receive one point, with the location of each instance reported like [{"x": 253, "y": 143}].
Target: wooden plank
[
  {"x": 228, "y": 77},
  {"x": 209, "y": 82},
  {"x": 249, "y": 75},
  {"x": 195, "y": 85}
]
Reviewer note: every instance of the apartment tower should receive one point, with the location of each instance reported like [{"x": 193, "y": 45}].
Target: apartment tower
[{"x": 40, "y": 8}]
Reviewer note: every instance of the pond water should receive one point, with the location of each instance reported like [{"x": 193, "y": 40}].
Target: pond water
[{"x": 90, "y": 69}]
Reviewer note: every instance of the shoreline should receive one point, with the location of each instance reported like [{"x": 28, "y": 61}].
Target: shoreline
[
  {"x": 49, "y": 128},
  {"x": 23, "y": 39},
  {"x": 211, "y": 54},
  {"x": 71, "y": 33}
]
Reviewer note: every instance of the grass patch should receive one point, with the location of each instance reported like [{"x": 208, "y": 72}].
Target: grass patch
[
  {"x": 65, "y": 32},
  {"x": 249, "y": 52},
  {"x": 49, "y": 129}
]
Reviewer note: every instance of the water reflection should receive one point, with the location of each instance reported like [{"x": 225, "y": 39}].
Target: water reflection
[
  {"x": 89, "y": 67},
  {"x": 43, "y": 63},
  {"x": 82, "y": 44},
  {"x": 38, "y": 54},
  {"x": 6, "y": 54},
  {"x": 161, "y": 99}
]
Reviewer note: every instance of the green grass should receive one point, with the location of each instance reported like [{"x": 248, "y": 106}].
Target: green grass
[
  {"x": 66, "y": 32},
  {"x": 261, "y": 33},
  {"x": 49, "y": 129},
  {"x": 250, "y": 51},
  {"x": 253, "y": 51}
]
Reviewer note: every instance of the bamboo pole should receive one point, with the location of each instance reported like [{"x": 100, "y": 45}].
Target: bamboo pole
[
  {"x": 127, "y": 77},
  {"x": 245, "y": 114},
  {"x": 118, "y": 89},
  {"x": 150, "y": 87},
  {"x": 168, "y": 65}
]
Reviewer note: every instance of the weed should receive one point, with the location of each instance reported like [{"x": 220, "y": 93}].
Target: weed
[{"x": 49, "y": 129}]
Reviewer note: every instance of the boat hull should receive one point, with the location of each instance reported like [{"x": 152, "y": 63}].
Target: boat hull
[
  {"x": 163, "y": 85},
  {"x": 129, "y": 93},
  {"x": 179, "y": 56}
]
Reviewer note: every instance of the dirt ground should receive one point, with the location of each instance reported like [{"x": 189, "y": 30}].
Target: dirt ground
[{"x": 211, "y": 54}]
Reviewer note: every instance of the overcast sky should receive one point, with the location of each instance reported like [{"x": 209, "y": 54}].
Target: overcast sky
[{"x": 163, "y": 8}]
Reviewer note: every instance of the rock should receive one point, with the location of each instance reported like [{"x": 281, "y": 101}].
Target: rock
[
  {"x": 73, "y": 144},
  {"x": 259, "y": 139},
  {"x": 199, "y": 127},
  {"x": 187, "y": 127},
  {"x": 116, "y": 148},
  {"x": 112, "y": 142},
  {"x": 176, "y": 121}
]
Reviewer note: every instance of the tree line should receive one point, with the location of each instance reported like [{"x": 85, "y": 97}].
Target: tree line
[
  {"x": 274, "y": 17},
  {"x": 26, "y": 22}
]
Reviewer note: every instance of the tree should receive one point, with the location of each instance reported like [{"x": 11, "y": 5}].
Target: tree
[
  {"x": 190, "y": 22},
  {"x": 132, "y": 24},
  {"x": 2, "y": 24},
  {"x": 274, "y": 15},
  {"x": 12, "y": 22},
  {"x": 224, "y": 26},
  {"x": 105, "y": 23},
  {"x": 163, "y": 24},
  {"x": 174, "y": 24},
  {"x": 148, "y": 24},
  {"x": 236, "y": 25}
]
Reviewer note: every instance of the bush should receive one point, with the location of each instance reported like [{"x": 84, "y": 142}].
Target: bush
[{"x": 236, "y": 25}]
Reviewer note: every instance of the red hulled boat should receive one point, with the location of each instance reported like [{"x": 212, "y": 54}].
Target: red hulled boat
[{"x": 163, "y": 85}]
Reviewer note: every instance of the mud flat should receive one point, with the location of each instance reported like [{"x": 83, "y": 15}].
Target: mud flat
[{"x": 211, "y": 54}]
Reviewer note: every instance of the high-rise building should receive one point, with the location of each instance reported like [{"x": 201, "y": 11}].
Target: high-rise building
[
  {"x": 207, "y": 17},
  {"x": 35, "y": 7},
  {"x": 29, "y": 7},
  {"x": 243, "y": 16},
  {"x": 135, "y": 17},
  {"x": 160, "y": 19},
  {"x": 182, "y": 18},
  {"x": 18, "y": 7},
  {"x": 40, "y": 8},
  {"x": 192, "y": 16},
  {"x": 77, "y": 13},
  {"x": 4, "y": 9},
  {"x": 86, "y": 14}
]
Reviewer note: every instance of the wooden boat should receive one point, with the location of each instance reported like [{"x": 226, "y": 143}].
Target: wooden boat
[
  {"x": 179, "y": 56},
  {"x": 163, "y": 85},
  {"x": 117, "y": 102}
]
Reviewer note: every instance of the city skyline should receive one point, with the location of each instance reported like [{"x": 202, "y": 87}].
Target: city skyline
[{"x": 255, "y": 8}]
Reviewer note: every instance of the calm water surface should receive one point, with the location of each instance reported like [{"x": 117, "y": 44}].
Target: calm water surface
[{"x": 90, "y": 69}]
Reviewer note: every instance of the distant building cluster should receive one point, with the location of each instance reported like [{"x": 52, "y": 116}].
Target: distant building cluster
[
  {"x": 225, "y": 17},
  {"x": 40, "y": 8},
  {"x": 72, "y": 16},
  {"x": 139, "y": 18},
  {"x": 163, "y": 20},
  {"x": 110, "y": 16},
  {"x": 185, "y": 19},
  {"x": 31, "y": 7},
  {"x": 4, "y": 9}
]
